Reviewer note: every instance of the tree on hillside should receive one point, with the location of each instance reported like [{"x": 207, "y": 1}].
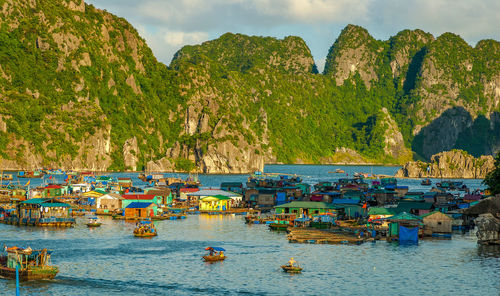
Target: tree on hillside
[{"x": 493, "y": 178}]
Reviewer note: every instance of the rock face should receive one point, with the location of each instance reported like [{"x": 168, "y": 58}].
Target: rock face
[
  {"x": 90, "y": 95},
  {"x": 354, "y": 51},
  {"x": 394, "y": 144},
  {"x": 488, "y": 229},
  {"x": 451, "y": 164}
]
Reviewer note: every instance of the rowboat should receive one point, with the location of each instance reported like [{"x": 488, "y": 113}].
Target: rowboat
[
  {"x": 291, "y": 269},
  {"x": 93, "y": 222},
  {"x": 145, "y": 228},
  {"x": 146, "y": 234},
  {"x": 426, "y": 182},
  {"x": 278, "y": 226},
  {"x": 214, "y": 258},
  {"x": 216, "y": 254},
  {"x": 32, "y": 264}
]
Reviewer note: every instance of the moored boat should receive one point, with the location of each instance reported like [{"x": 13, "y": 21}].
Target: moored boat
[
  {"x": 7, "y": 177},
  {"x": 426, "y": 182},
  {"x": 32, "y": 264}
]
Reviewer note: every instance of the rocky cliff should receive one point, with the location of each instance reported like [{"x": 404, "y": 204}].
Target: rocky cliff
[
  {"x": 80, "y": 89},
  {"x": 454, "y": 164}
]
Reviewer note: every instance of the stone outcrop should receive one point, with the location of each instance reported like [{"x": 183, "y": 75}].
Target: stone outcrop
[
  {"x": 488, "y": 229},
  {"x": 130, "y": 152},
  {"x": 393, "y": 139},
  {"x": 450, "y": 164}
]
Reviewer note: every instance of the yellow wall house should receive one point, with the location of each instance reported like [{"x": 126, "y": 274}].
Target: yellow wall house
[{"x": 215, "y": 203}]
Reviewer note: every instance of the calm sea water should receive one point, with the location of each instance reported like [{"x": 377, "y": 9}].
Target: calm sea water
[{"x": 110, "y": 261}]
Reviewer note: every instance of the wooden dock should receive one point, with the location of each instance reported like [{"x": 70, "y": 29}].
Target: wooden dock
[{"x": 317, "y": 236}]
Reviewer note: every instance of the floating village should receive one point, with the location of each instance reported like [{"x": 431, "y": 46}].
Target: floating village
[{"x": 343, "y": 210}]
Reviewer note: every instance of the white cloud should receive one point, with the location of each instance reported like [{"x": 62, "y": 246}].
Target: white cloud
[
  {"x": 182, "y": 38},
  {"x": 167, "y": 25}
]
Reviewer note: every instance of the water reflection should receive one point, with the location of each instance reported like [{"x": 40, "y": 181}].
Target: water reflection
[{"x": 488, "y": 251}]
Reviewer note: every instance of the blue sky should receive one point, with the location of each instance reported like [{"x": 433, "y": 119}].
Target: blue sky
[{"x": 167, "y": 25}]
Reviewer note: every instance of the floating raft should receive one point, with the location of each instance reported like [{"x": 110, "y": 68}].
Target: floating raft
[{"x": 316, "y": 236}]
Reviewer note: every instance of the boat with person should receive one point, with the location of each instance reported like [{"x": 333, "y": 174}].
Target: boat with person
[
  {"x": 93, "y": 222},
  {"x": 32, "y": 264},
  {"x": 145, "y": 228},
  {"x": 292, "y": 267},
  {"x": 214, "y": 254},
  {"x": 426, "y": 182}
]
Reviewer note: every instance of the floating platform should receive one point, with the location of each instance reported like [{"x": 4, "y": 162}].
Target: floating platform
[{"x": 316, "y": 236}]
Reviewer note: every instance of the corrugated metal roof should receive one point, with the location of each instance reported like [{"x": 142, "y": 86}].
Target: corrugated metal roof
[
  {"x": 380, "y": 211},
  {"x": 404, "y": 216},
  {"x": 139, "y": 205},
  {"x": 55, "y": 204},
  {"x": 212, "y": 192},
  {"x": 306, "y": 205},
  {"x": 35, "y": 200},
  {"x": 138, "y": 196}
]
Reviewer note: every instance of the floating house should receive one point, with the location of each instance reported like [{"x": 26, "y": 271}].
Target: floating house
[
  {"x": 414, "y": 207},
  {"x": 54, "y": 190},
  {"x": 266, "y": 197},
  {"x": 215, "y": 203},
  {"x": 327, "y": 197},
  {"x": 81, "y": 188},
  {"x": 184, "y": 192},
  {"x": 164, "y": 194},
  {"x": 437, "y": 222},
  {"x": 383, "y": 196},
  {"x": 109, "y": 202},
  {"x": 198, "y": 195},
  {"x": 140, "y": 210},
  {"x": 379, "y": 215},
  {"x": 404, "y": 227},
  {"x": 144, "y": 198},
  {"x": 124, "y": 183},
  {"x": 43, "y": 212},
  {"x": 305, "y": 208},
  {"x": 349, "y": 208},
  {"x": 89, "y": 197}
]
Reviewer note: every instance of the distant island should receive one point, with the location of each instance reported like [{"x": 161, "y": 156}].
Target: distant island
[{"x": 80, "y": 89}]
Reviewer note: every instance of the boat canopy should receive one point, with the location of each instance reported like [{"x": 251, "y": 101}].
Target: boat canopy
[{"x": 217, "y": 249}]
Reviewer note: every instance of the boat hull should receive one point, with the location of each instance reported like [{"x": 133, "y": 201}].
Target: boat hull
[
  {"x": 45, "y": 273},
  {"x": 93, "y": 225},
  {"x": 209, "y": 258},
  {"x": 291, "y": 269},
  {"x": 145, "y": 234},
  {"x": 278, "y": 226}
]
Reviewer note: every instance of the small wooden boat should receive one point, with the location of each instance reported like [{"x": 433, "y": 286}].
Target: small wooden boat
[
  {"x": 291, "y": 269},
  {"x": 337, "y": 171},
  {"x": 145, "y": 229},
  {"x": 7, "y": 177},
  {"x": 32, "y": 264},
  {"x": 426, "y": 182},
  {"x": 279, "y": 226},
  {"x": 213, "y": 256},
  {"x": 93, "y": 222}
]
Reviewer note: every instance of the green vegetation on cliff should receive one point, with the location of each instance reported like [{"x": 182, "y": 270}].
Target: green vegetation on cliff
[
  {"x": 493, "y": 178},
  {"x": 80, "y": 88}
]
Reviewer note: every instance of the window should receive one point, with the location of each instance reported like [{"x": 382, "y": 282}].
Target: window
[{"x": 439, "y": 223}]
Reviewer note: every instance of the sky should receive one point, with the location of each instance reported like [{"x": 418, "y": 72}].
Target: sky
[{"x": 168, "y": 25}]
